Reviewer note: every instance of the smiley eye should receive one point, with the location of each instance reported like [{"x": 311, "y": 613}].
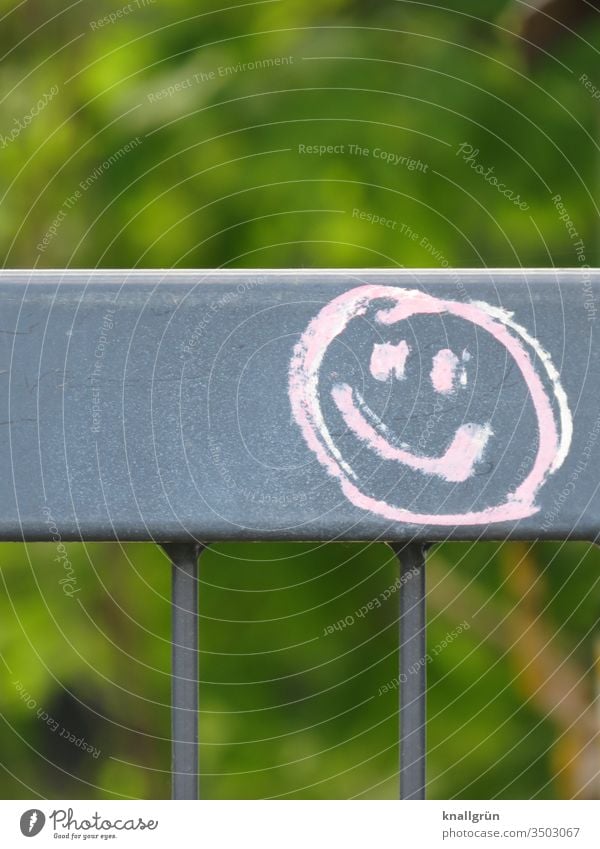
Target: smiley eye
[
  {"x": 388, "y": 359},
  {"x": 443, "y": 372}
]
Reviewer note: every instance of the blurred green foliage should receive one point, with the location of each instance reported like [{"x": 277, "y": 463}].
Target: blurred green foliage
[{"x": 216, "y": 177}]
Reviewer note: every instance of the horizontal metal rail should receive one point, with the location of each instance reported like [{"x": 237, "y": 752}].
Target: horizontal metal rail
[{"x": 378, "y": 404}]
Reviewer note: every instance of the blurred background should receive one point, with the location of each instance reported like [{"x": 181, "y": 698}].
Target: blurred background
[{"x": 160, "y": 133}]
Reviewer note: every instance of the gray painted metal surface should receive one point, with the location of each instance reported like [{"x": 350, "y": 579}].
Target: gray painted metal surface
[{"x": 299, "y": 405}]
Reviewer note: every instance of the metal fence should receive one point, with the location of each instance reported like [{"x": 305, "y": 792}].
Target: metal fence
[{"x": 404, "y": 406}]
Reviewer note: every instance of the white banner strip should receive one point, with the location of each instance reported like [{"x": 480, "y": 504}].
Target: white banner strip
[{"x": 301, "y": 824}]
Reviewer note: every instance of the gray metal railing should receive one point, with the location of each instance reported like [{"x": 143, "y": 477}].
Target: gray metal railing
[
  {"x": 184, "y": 670},
  {"x": 185, "y": 765},
  {"x": 403, "y": 406}
]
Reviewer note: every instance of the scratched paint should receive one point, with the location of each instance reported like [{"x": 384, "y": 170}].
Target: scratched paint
[{"x": 468, "y": 446}]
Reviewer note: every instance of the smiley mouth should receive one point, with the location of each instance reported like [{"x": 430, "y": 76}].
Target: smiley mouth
[{"x": 456, "y": 464}]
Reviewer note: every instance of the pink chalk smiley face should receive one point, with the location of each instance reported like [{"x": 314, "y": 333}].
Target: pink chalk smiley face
[{"x": 361, "y": 444}]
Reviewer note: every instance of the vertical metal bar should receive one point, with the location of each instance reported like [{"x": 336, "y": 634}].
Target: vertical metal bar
[
  {"x": 413, "y": 670},
  {"x": 184, "y": 671}
]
